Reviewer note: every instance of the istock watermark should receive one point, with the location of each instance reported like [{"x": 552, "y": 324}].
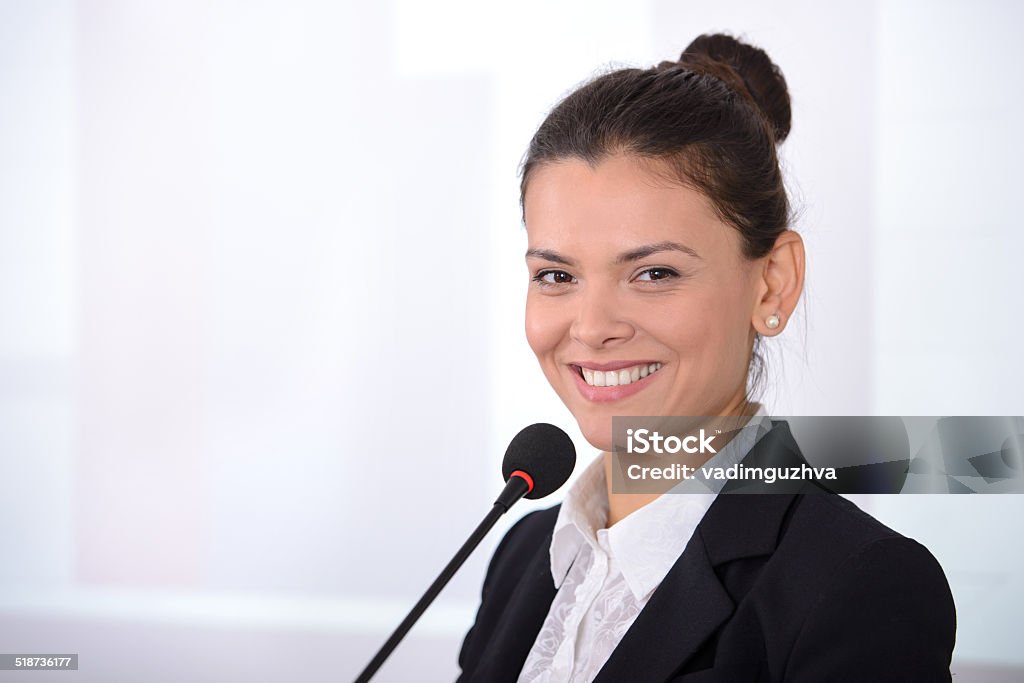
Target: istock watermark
[
  {"x": 847, "y": 454},
  {"x": 648, "y": 441}
]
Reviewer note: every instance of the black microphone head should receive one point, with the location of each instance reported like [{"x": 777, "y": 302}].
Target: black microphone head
[{"x": 545, "y": 453}]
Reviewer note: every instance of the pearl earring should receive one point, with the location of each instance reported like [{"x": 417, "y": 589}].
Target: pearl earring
[{"x": 772, "y": 321}]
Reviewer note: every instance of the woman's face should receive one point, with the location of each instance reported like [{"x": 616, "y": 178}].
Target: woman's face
[{"x": 640, "y": 301}]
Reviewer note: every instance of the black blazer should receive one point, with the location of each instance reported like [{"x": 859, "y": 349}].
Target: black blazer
[{"x": 771, "y": 587}]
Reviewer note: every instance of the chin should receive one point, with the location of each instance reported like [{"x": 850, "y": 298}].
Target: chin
[
  {"x": 597, "y": 432},
  {"x": 603, "y": 444}
]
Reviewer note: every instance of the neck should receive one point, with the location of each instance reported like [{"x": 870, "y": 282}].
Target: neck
[{"x": 621, "y": 505}]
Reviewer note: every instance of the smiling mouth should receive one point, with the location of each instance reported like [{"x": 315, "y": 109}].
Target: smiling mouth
[{"x": 616, "y": 378}]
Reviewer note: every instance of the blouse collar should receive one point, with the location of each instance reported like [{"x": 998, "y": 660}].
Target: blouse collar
[{"x": 647, "y": 542}]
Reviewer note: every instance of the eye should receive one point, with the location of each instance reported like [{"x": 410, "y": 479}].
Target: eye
[
  {"x": 551, "y": 278},
  {"x": 659, "y": 273}
]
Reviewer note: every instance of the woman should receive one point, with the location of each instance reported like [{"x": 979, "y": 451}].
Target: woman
[{"x": 659, "y": 257}]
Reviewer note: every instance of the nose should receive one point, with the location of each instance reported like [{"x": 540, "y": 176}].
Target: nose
[{"x": 599, "y": 320}]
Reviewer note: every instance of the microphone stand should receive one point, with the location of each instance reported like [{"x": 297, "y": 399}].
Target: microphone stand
[{"x": 515, "y": 488}]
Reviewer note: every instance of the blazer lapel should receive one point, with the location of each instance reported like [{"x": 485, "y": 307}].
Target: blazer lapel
[
  {"x": 690, "y": 604},
  {"x": 521, "y": 620}
]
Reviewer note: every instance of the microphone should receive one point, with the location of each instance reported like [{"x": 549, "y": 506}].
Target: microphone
[{"x": 537, "y": 462}]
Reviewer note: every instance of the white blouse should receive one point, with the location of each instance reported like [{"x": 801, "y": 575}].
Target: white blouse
[{"x": 605, "y": 576}]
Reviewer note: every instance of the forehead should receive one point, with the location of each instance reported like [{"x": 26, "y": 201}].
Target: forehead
[{"x": 619, "y": 202}]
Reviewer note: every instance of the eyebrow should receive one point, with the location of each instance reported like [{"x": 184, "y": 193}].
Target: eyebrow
[{"x": 625, "y": 257}]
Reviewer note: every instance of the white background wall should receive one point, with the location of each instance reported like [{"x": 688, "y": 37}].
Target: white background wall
[{"x": 261, "y": 264}]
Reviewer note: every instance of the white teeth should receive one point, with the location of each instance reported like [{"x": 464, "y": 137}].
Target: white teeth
[{"x": 616, "y": 378}]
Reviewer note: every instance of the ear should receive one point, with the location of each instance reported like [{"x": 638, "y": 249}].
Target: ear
[{"x": 781, "y": 283}]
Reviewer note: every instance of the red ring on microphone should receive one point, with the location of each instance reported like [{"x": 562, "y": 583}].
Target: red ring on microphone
[{"x": 524, "y": 476}]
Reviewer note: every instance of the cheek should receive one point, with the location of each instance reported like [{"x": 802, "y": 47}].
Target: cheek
[
  {"x": 724, "y": 345},
  {"x": 706, "y": 332},
  {"x": 544, "y": 327},
  {"x": 687, "y": 326}
]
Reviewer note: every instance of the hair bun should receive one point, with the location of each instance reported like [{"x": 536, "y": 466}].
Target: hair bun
[{"x": 747, "y": 69}]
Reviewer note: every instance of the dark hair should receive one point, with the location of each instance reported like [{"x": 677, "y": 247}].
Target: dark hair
[{"x": 714, "y": 117}]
